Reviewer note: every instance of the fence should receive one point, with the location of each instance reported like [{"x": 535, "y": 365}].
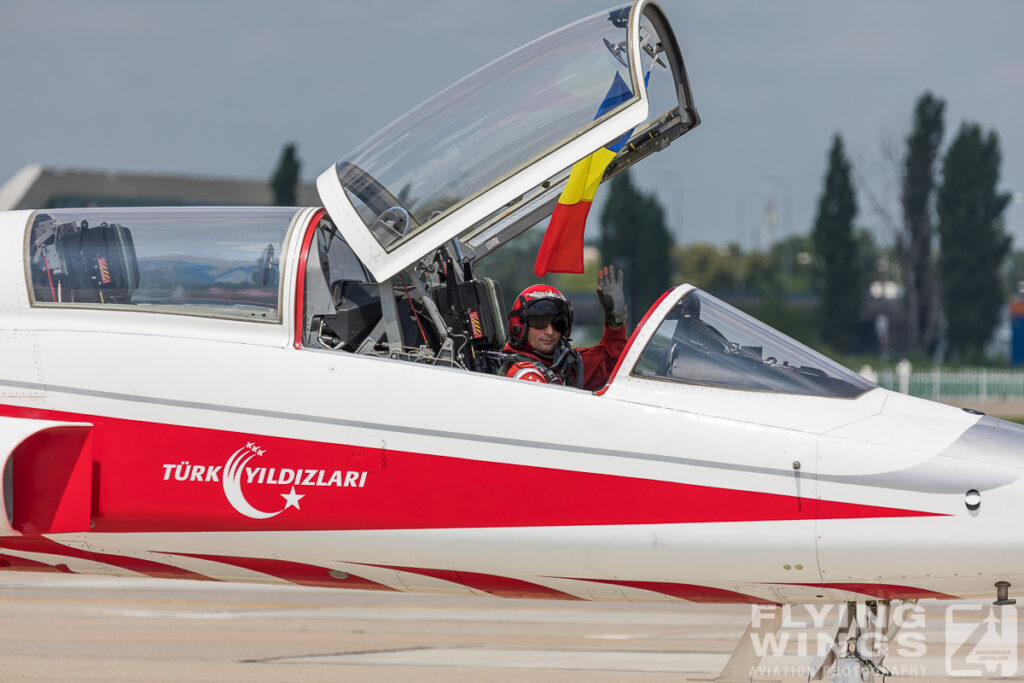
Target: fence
[{"x": 955, "y": 385}]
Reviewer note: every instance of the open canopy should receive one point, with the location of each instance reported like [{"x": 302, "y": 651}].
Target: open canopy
[{"x": 488, "y": 155}]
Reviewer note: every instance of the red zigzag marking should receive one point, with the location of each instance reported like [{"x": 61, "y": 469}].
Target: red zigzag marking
[
  {"x": 296, "y": 572},
  {"x": 501, "y": 586},
  {"x": 39, "y": 544},
  {"x": 687, "y": 591},
  {"x": 882, "y": 591}
]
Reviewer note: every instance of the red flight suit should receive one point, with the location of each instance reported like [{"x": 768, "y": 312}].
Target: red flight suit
[{"x": 598, "y": 362}]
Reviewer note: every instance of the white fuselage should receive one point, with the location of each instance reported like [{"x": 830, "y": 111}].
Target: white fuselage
[{"x": 447, "y": 480}]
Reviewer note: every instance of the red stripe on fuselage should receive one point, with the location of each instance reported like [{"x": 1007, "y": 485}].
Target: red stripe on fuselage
[{"x": 147, "y": 481}]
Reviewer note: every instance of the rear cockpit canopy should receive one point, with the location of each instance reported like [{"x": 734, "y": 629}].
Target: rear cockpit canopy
[{"x": 214, "y": 262}]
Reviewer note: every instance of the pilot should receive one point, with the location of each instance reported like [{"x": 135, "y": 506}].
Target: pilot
[{"x": 540, "y": 336}]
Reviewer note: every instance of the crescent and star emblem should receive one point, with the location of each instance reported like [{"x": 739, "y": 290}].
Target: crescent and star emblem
[{"x": 232, "y": 481}]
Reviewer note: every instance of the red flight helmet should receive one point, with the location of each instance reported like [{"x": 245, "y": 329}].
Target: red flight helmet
[{"x": 541, "y": 303}]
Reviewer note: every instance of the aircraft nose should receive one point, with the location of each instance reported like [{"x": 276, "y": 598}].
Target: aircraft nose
[
  {"x": 993, "y": 441},
  {"x": 994, "y": 451}
]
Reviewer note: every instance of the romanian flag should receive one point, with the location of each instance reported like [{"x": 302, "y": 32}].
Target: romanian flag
[{"x": 561, "y": 251}]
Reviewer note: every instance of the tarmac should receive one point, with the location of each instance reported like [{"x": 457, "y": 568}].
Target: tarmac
[{"x": 61, "y": 627}]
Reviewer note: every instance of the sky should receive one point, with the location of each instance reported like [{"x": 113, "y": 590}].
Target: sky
[{"x": 217, "y": 87}]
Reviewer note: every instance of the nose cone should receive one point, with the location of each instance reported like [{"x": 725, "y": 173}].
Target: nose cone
[
  {"x": 987, "y": 455},
  {"x": 996, "y": 443}
]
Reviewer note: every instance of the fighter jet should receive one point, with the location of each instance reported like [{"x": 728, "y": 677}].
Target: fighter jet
[{"x": 311, "y": 396}]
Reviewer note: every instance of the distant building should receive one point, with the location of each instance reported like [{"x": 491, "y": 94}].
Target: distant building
[{"x": 45, "y": 187}]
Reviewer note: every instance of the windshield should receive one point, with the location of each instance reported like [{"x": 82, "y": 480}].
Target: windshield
[
  {"x": 703, "y": 340},
  {"x": 491, "y": 123},
  {"x": 198, "y": 261}
]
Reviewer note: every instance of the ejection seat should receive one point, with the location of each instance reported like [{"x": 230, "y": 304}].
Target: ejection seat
[{"x": 76, "y": 262}]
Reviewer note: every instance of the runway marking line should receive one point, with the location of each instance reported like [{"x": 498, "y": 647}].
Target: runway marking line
[
  {"x": 295, "y": 658},
  {"x": 552, "y": 659}
]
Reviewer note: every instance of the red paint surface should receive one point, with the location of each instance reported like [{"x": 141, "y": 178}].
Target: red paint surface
[
  {"x": 401, "y": 490},
  {"x": 52, "y": 481},
  {"x": 300, "y": 280}
]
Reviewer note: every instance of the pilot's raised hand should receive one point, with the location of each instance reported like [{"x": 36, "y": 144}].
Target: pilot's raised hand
[{"x": 611, "y": 293}]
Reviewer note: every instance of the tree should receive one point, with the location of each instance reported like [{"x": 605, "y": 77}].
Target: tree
[
  {"x": 974, "y": 244},
  {"x": 634, "y": 237},
  {"x": 915, "y": 242},
  {"x": 710, "y": 267},
  {"x": 285, "y": 182},
  {"x": 839, "y": 280},
  {"x": 792, "y": 258},
  {"x": 784, "y": 269},
  {"x": 1014, "y": 280}
]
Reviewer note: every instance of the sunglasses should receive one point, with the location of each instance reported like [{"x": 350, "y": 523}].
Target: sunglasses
[{"x": 539, "y": 322}]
